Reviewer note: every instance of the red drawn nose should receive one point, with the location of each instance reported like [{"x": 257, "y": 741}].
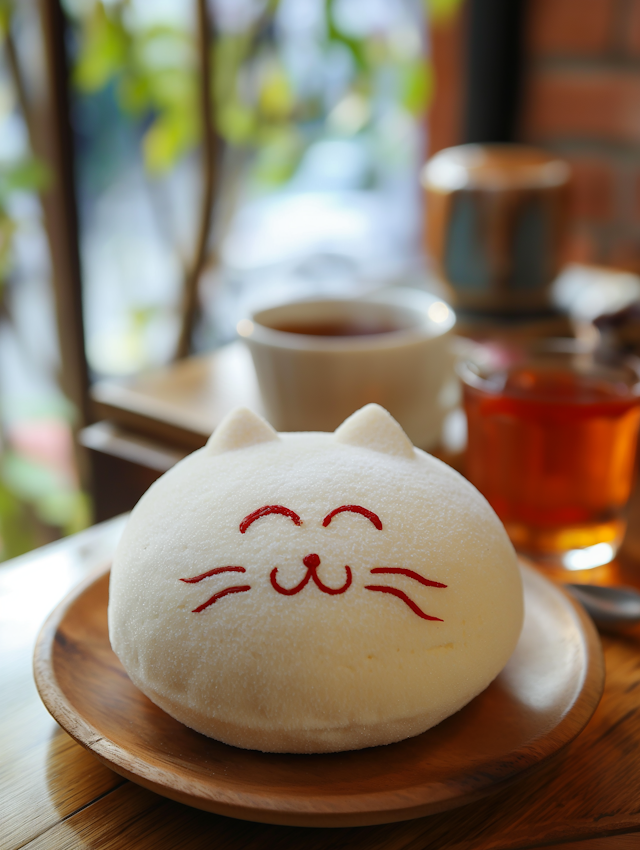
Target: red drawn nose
[{"x": 312, "y": 561}]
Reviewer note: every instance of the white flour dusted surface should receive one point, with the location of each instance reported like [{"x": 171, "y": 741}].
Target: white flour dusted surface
[{"x": 335, "y": 629}]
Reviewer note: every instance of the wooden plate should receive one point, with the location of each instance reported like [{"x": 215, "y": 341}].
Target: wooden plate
[{"x": 540, "y": 702}]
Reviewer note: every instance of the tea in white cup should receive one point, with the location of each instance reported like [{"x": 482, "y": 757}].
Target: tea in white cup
[{"x": 319, "y": 361}]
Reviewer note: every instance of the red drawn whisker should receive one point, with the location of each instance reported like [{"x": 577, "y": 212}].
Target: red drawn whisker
[
  {"x": 216, "y": 571},
  {"x": 401, "y": 571},
  {"x": 403, "y": 596},
  {"x": 238, "y": 588}
]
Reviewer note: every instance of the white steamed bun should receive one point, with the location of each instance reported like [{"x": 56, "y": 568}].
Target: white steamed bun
[{"x": 313, "y": 592}]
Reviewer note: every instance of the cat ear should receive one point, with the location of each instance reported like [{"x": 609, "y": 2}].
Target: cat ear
[
  {"x": 373, "y": 428},
  {"x": 238, "y": 430}
]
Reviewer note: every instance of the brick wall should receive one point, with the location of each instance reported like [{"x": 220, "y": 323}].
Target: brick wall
[{"x": 581, "y": 99}]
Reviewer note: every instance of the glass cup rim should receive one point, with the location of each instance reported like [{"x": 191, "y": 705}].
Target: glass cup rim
[{"x": 469, "y": 369}]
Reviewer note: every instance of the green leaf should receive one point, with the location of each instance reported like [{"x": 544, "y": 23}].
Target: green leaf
[
  {"x": 16, "y": 530},
  {"x": 104, "y": 45},
  {"x": 142, "y": 316},
  {"x": 158, "y": 48},
  {"x": 44, "y": 405},
  {"x": 79, "y": 515},
  {"x": 64, "y": 508},
  {"x": 278, "y": 160},
  {"x": 29, "y": 481},
  {"x": 442, "y": 10},
  {"x": 174, "y": 88},
  {"x": 6, "y": 12},
  {"x": 275, "y": 98},
  {"x": 7, "y": 230},
  {"x": 355, "y": 46},
  {"x": 29, "y": 175},
  {"x": 134, "y": 94},
  {"x": 30, "y": 490},
  {"x": 229, "y": 53},
  {"x": 170, "y": 136},
  {"x": 416, "y": 88},
  {"x": 237, "y": 124},
  {"x": 165, "y": 31}
]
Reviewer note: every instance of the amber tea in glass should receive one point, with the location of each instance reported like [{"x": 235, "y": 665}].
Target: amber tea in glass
[{"x": 552, "y": 445}]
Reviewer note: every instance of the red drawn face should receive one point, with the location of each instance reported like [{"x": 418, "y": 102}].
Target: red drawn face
[{"x": 312, "y": 562}]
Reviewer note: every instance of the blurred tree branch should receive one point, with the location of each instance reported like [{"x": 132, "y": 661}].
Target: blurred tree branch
[
  {"x": 16, "y": 77},
  {"x": 211, "y": 161},
  {"x": 34, "y": 499}
]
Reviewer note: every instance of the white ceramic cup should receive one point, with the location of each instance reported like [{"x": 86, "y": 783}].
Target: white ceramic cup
[{"x": 312, "y": 382}]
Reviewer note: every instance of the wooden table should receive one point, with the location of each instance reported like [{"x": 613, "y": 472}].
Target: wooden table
[{"x": 55, "y": 795}]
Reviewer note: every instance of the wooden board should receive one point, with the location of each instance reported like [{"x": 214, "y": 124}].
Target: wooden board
[
  {"x": 540, "y": 702},
  {"x": 181, "y": 404}
]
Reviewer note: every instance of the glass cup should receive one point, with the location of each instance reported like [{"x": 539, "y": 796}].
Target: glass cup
[{"x": 552, "y": 434}]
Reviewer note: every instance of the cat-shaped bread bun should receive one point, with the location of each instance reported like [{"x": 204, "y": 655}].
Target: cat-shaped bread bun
[{"x": 313, "y": 592}]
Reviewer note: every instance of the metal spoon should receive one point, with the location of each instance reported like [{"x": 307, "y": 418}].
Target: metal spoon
[{"x": 610, "y": 607}]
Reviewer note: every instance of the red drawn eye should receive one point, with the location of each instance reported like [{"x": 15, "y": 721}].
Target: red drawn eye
[
  {"x": 265, "y": 511},
  {"x": 356, "y": 509}
]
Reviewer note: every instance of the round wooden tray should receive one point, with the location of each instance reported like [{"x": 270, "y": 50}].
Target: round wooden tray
[{"x": 540, "y": 702}]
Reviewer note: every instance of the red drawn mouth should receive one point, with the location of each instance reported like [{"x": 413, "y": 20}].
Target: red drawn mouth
[{"x": 311, "y": 562}]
